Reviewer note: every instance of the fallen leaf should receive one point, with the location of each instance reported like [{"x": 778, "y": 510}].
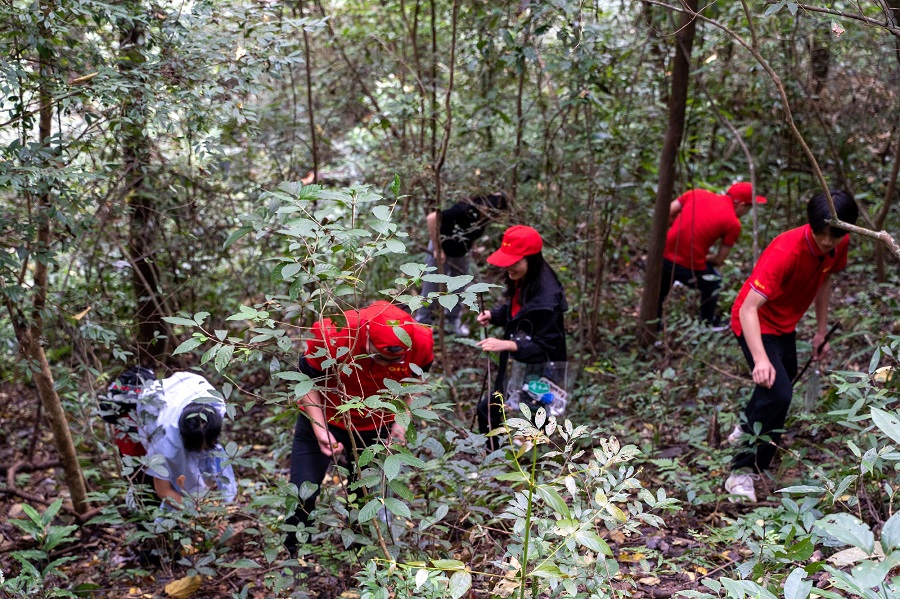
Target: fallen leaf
[
  {"x": 352, "y": 594},
  {"x": 702, "y": 571},
  {"x": 650, "y": 581},
  {"x": 183, "y": 587},
  {"x": 617, "y": 537},
  {"x": 631, "y": 557},
  {"x": 850, "y": 556},
  {"x": 134, "y": 592}
]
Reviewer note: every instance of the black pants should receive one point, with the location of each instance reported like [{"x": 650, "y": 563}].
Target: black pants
[
  {"x": 769, "y": 406},
  {"x": 706, "y": 281},
  {"x": 309, "y": 464}
]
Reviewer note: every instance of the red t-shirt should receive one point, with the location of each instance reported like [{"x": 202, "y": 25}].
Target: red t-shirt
[
  {"x": 705, "y": 218},
  {"x": 789, "y": 274},
  {"x": 354, "y": 375}
]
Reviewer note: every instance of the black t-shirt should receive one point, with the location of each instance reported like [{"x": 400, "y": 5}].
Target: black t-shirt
[{"x": 461, "y": 225}]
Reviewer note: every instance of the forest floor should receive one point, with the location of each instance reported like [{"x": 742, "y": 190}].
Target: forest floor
[{"x": 693, "y": 546}]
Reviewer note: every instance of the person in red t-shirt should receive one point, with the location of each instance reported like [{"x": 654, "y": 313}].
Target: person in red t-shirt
[
  {"x": 792, "y": 273},
  {"x": 699, "y": 219},
  {"x": 348, "y": 365}
]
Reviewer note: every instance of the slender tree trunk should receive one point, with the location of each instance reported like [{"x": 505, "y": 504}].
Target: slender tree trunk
[
  {"x": 666, "y": 182},
  {"x": 31, "y": 348},
  {"x": 29, "y": 333},
  {"x": 310, "y": 109},
  {"x": 890, "y": 192},
  {"x": 438, "y": 168},
  {"x": 520, "y": 125},
  {"x": 142, "y": 231}
]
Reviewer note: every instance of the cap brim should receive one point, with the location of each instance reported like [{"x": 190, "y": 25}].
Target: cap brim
[
  {"x": 761, "y": 200},
  {"x": 503, "y": 259}
]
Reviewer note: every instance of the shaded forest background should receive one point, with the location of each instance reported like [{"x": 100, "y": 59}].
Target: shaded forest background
[{"x": 152, "y": 152}]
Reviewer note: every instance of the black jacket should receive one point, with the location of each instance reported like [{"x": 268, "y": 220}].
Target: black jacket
[{"x": 537, "y": 328}]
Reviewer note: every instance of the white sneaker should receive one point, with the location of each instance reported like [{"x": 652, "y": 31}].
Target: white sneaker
[
  {"x": 742, "y": 485},
  {"x": 734, "y": 438}
]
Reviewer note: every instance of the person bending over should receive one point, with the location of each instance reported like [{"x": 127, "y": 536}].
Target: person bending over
[
  {"x": 698, "y": 220},
  {"x": 349, "y": 364},
  {"x": 793, "y": 272}
]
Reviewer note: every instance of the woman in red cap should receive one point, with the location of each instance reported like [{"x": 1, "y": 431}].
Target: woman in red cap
[{"x": 534, "y": 335}]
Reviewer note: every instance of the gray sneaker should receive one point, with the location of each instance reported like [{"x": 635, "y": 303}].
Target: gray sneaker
[{"x": 741, "y": 485}]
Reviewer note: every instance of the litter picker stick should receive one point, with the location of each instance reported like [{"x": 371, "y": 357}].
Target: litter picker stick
[{"x": 818, "y": 350}]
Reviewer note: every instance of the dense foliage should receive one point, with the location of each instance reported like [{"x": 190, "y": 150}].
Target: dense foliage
[{"x": 193, "y": 185}]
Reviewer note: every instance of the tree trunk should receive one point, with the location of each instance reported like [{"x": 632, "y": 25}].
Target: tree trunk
[
  {"x": 677, "y": 108},
  {"x": 30, "y": 334},
  {"x": 889, "y": 193},
  {"x": 29, "y": 338},
  {"x": 141, "y": 235}
]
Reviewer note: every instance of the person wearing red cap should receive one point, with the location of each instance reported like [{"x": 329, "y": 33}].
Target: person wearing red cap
[
  {"x": 349, "y": 364},
  {"x": 792, "y": 273},
  {"x": 699, "y": 219},
  {"x": 532, "y": 319}
]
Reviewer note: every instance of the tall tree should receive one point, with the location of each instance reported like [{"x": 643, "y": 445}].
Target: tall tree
[
  {"x": 681, "y": 72},
  {"x": 45, "y": 159}
]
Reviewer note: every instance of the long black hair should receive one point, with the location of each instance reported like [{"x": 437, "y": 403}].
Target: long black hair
[
  {"x": 536, "y": 265},
  {"x": 199, "y": 425}
]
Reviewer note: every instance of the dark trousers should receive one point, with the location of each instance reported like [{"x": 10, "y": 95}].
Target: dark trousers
[
  {"x": 706, "y": 281},
  {"x": 769, "y": 407},
  {"x": 309, "y": 464}
]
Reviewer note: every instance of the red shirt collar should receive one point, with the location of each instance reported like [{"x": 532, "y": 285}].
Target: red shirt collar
[{"x": 812, "y": 245}]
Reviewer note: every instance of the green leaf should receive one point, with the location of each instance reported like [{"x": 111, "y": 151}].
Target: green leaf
[
  {"x": 235, "y": 235},
  {"x": 242, "y": 563},
  {"x": 369, "y": 511},
  {"x": 189, "y": 345},
  {"x": 547, "y": 570},
  {"x": 291, "y": 375},
  {"x": 592, "y": 541},
  {"x": 460, "y": 583},
  {"x": 178, "y": 320},
  {"x": 553, "y": 499},
  {"x": 288, "y": 271},
  {"x": 848, "y": 529},
  {"x": 303, "y": 387},
  {"x": 392, "y": 466},
  {"x": 801, "y": 489},
  {"x": 512, "y": 477},
  {"x": 795, "y": 587},
  {"x": 382, "y": 212},
  {"x": 395, "y": 506},
  {"x": 448, "y": 564},
  {"x": 223, "y": 358},
  {"x": 869, "y": 574},
  {"x": 888, "y": 423},
  {"x": 448, "y": 301},
  {"x": 890, "y": 534}
]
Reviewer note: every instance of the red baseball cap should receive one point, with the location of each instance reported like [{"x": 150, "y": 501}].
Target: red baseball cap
[
  {"x": 743, "y": 192},
  {"x": 518, "y": 241},
  {"x": 384, "y": 319}
]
